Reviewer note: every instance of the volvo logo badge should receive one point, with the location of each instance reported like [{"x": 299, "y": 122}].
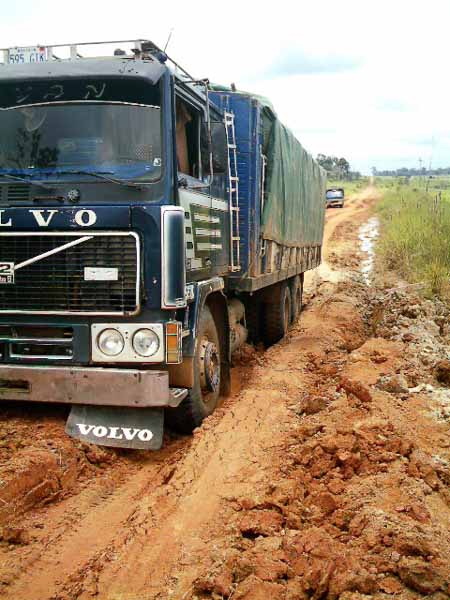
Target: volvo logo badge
[
  {"x": 73, "y": 196},
  {"x": 6, "y": 272}
]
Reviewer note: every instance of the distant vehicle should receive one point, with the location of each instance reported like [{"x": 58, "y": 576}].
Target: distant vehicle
[{"x": 335, "y": 197}]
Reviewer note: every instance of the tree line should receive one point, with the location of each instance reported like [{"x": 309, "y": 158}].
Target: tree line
[
  {"x": 337, "y": 168},
  {"x": 405, "y": 172}
]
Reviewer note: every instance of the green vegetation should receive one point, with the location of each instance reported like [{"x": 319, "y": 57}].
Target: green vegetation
[
  {"x": 337, "y": 168},
  {"x": 434, "y": 185},
  {"x": 415, "y": 239}
]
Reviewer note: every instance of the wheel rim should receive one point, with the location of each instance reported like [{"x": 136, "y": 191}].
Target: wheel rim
[{"x": 209, "y": 368}]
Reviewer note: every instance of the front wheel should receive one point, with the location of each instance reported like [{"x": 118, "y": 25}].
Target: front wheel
[{"x": 203, "y": 397}]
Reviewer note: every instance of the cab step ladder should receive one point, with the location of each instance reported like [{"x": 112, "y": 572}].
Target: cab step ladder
[{"x": 233, "y": 193}]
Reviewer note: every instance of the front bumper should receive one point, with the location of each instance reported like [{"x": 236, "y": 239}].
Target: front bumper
[{"x": 89, "y": 385}]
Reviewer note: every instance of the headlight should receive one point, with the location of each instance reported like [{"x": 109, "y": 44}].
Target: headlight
[
  {"x": 110, "y": 342},
  {"x": 145, "y": 342}
]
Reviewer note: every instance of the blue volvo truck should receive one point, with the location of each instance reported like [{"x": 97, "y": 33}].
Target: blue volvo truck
[{"x": 150, "y": 223}]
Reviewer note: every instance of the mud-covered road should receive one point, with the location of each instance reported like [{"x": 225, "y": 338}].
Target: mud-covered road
[{"x": 325, "y": 474}]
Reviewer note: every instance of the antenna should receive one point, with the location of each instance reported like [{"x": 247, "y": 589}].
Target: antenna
[{"x": 168, "y": 39}]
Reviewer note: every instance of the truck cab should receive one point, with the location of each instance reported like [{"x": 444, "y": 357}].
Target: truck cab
[
  {"x": 111, "y": 226},
  {"x": 129, "y": 270}
]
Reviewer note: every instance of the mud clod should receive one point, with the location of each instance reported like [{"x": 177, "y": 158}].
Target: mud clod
[
  {"x": 356, "y": 388},
  {"x": 394, "y": 384},
  {"x": 421, "y": 576},
  {"x": 260, "y": 522},
  {"x": 442, "y": 372},
  {"x": 14, "y": 535}
]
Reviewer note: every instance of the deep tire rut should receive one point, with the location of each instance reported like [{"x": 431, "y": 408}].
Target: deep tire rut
[
  {"x": 136, "y": 521},
  {"x": 177, "y": 523}
]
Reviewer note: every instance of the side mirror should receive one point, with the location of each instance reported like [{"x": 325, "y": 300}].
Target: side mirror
[{"x": 219, "y": 148}]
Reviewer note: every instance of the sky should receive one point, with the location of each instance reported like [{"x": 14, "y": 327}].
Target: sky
[{"x": 360, "y": 79}]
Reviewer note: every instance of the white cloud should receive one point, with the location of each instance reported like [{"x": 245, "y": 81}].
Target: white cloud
[{"x": 366, "y": 80}]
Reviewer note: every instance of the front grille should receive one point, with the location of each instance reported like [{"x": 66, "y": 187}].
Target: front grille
[{"x": 60, "y": 283}]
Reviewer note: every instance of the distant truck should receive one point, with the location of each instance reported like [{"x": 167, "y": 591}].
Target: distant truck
[
  {"x": 149, "y": 225},
  {"x": 335, "y": 197}
]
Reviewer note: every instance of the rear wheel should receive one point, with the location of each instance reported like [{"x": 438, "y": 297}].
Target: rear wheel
[
  {"x": 253, "y": 318},
  {"x": 204, "y": 396},
  {"x": 297, "y": 297},
  {"x": 277, "y": 315}
]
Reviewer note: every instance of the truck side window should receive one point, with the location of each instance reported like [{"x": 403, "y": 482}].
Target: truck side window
[{"x": 188, "y": 138}]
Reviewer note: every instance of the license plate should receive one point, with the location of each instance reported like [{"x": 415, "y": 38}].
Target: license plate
[
  {"x": 6, "y": 273},
  {"x": 28, "y": 54},
  {"x": 101, "y": 274}
]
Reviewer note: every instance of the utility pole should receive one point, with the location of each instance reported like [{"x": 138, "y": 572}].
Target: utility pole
[
  {"x": 420, "y": 169},
  {"x": 431, "y": 154}
]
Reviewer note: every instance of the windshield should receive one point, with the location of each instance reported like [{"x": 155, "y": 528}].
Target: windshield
[
  {"x": 335, "y": 194},
  {"x": 42, "y": 140}
]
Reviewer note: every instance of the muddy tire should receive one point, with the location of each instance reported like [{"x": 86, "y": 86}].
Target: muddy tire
[
  {"x": 204, "y": 396},
  {"x": 297, "y": 297},
  {"x": 253, "y": 318},
  {"x": 277, "y": 316}
]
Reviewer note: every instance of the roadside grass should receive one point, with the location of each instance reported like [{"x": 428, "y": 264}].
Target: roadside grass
[
  {"x": 434, "y": 185},
  {"x": 415, "y": 238},
  {"x": 386, "y": 183}
]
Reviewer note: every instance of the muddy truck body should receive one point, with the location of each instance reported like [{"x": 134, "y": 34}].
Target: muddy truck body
[{"x": 149, "y": 225}]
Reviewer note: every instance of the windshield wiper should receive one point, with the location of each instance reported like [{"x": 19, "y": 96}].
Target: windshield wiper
[
  {"x": 28, "y": 181},
  {"x": 102, "y": 175}
]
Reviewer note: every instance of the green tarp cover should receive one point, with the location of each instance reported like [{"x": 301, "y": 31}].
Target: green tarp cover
[{"x": 294, "y": 205}]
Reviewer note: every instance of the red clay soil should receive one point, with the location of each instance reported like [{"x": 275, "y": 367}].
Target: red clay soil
[{"x": 312, "y": 481}]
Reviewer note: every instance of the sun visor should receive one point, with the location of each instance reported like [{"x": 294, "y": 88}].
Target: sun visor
[{"x": 95, "y": 80}]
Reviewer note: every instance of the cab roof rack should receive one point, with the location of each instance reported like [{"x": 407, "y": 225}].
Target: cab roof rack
[{"x": 142, "y": 49}]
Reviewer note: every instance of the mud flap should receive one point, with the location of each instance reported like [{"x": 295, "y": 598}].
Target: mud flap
[{"x": 121, "y": 427}]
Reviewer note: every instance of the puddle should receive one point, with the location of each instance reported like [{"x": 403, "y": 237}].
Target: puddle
[{"x": 368, "y": 233}]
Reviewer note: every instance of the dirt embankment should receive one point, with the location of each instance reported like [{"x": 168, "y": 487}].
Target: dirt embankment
[{"x": 326, "y": 474}]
